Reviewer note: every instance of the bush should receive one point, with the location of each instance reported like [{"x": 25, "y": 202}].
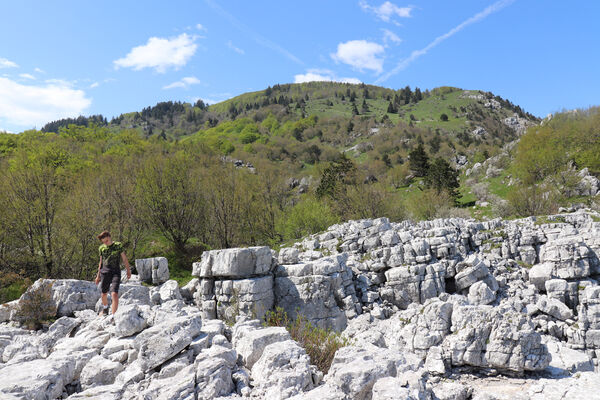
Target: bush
[
  {"x": 36, "y": 306},
  {"x": 320, "y": 344},
  {"x": 526, "y": 201},
  {"x": 309, "y": 216},
  {"x": 429, "y": 204}
]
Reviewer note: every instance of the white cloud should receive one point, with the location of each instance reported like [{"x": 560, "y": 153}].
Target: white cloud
[
  {"x": 184, "y": 83},
  {"x": 160, "y": 54},
  {"x": 4, "y": 63},
  {"x": 236, "y": 49},
  {"x": 27, "y": 76},
  {"x": 39, "y": 70},
  {"x": 387, "y": 11},
  {"x": 360, "y": 54},
  {"x": 94, "y": 85},
  {"x": 389, "y": 36},
  {"x": 322, "y": 75},
  {"x": 31, "y": 105},
  {"x": 497, "y": 6},
  {"x": 200, "y": 27}
]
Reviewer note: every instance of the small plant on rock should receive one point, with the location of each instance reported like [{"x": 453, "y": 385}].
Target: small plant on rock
[
  {"x": 36, "y": 306},
  {"x": 320, "y": 344}
]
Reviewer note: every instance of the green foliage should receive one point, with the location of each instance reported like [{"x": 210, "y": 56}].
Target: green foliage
[
  {"x": 309, "y": 216},
  {"x": 533, "y": 200},
  {"x": 568, "y": 137},
  {"x": 320, "y": 344},
  {"x": 429, "y": 204},
  {"x": 441, "y": 176},
  {"x": 419, "y": 161},
  {"x": 337, "y": 173}
]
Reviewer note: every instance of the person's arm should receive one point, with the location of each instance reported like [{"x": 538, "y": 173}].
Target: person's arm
[
  {"x": 126, "y": 262},
  {"x": 98, "y": 274}
]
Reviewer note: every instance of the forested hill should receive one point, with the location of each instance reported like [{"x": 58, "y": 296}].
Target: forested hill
[{"x": 332, "y": 115}]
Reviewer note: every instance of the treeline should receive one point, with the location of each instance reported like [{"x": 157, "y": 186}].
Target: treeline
[{"x": 55, "y": 126}]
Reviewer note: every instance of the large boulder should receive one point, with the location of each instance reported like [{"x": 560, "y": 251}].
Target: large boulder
[
  {"x": 213, "y": 372},
  {"x": 321, "y": 291},
  {"x": 234, "y": 263},
  {"x": 355, "y": 370},
  {"x": 491, "y": 337},
  {"x": 160, "y": 342},
  {"x": 250, "y": 341},
  {"x": 99, "y": 371},
  {"x": 153, "y": 270},
  {"x": 131, "y": 319},
  {"x": 282, "y": 371}
]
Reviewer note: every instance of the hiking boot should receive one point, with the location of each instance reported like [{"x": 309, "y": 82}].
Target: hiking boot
[{"x": 103, "y": 312}]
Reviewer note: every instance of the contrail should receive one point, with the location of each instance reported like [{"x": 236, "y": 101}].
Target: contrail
[
  {"x": 497, "y": 6},
  {"x": 261, "y": 40}
]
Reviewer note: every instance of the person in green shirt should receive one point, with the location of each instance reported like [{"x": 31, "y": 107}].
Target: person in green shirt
[{"x": 109, "y": 270}]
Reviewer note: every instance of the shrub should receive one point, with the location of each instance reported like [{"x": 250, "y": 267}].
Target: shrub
[
  {"x": 320, "y": 344},
  {"x": 309, "y": 216},
  {"x": 429, "y": 204},
  {"x": 532, "y": 200},
  {"x": 36, "y": 306}
]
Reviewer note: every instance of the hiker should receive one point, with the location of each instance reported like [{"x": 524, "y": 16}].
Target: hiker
[{"x": 109, "y": 270}]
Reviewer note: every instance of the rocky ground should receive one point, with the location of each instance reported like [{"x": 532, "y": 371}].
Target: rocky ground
[{"x": 444, "y": 309}]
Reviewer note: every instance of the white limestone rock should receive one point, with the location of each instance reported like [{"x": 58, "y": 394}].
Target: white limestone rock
[{"x": 153, "y": 270}]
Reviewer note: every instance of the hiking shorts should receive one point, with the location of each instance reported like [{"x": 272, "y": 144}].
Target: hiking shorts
[{"x": 110, "y": 280}]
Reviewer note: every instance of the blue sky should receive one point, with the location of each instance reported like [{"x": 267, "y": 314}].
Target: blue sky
[{"x": 66, "y": 57}]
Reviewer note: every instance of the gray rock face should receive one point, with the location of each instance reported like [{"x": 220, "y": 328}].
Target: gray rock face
[
  {"x": 321, "y": 291},
  {"x": 153, "y": 270},
  {"x": 282, "y": 371},
  {"x": 131, "y": 319},
  {"x": 480, "y": 293},
  {"x": 99, "y": 371},
  {"x": 235, "y": 282},
  {"x": 355, "y": 370},
  {"x": 485, "y": 336},
  {"x": 161, "y": 342},
  {"x": 234, "y": 263},
  {"x": 250, "y": 341}
]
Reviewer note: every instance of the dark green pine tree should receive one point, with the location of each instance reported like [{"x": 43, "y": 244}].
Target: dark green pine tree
[
  {"x": 391, "y": 109},
  {"x": 441, "y": 176},
  {"x": 364, "y": 108},
  {"x": 354, "y": 109},
  {"x": 419, "y": 161}
]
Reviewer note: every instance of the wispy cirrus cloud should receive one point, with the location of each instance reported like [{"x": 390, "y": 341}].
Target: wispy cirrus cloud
[
  {"x": 234, "y": 48},
  {"x": 390, "y": 37},
  {"x": 183, "y": 83},
  {"x": 360, "y": 54},
  {"x": 258, "y": 38},
  {"x": 387, "y": 11},
  {"x": 322, "y": 75},
  {"x": 160, "y": 54},
  {"x": 497, "y": 6}
]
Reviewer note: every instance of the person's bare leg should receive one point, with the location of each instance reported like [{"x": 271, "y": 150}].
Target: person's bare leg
[
  {"x": 104, "y": 301},
  {"x": 115, "y": 301}
]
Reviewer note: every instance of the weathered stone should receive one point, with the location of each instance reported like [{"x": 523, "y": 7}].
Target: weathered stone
[
  {"x": 99, "y": 371},
  {"x": 153, "y": 270},
  {"x": 234, "y": 263},
  {"x": 162, "y": 341},
  {"x": 282, "y": 371}
]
